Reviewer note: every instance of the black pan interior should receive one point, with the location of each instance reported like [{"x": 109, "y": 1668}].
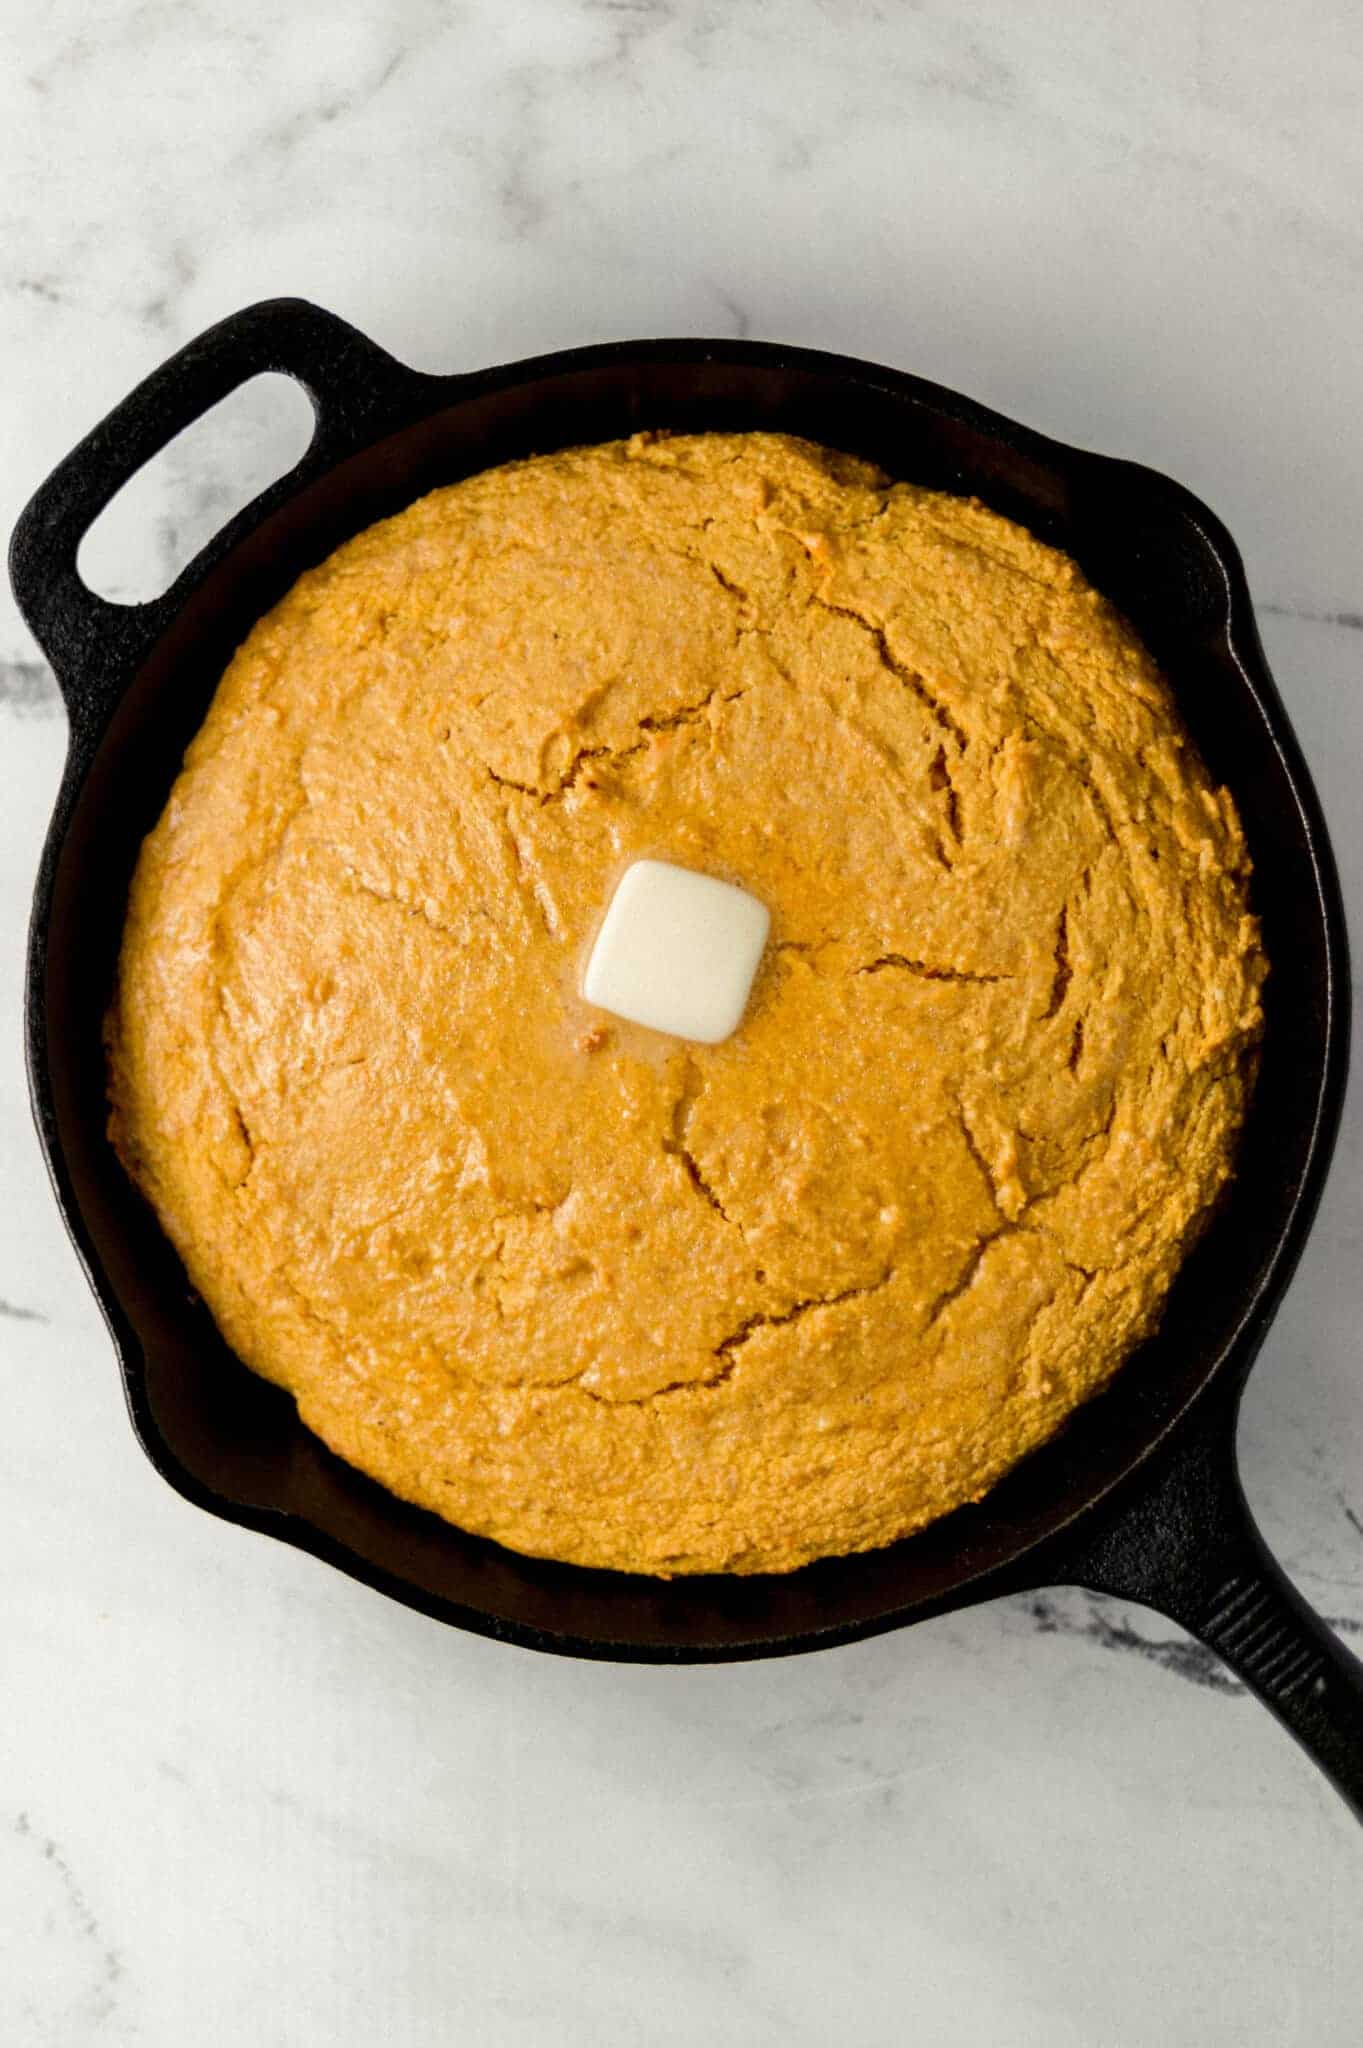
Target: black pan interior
[{"x": 233, "y": 1443}]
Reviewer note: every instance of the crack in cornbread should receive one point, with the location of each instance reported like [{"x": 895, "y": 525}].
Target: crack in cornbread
[{"x": 594, "y": 1293}]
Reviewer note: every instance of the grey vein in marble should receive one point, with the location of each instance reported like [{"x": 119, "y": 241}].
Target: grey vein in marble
[
  {"x": 94, "y": 2002},
  {"x": 1352, "y": 621},
  {"x": 28, "y": 689},
  {"x": 291, "y": 135},
  {"x": 1180, "y": 1657},
  {"x": 18, "y": 1314}
]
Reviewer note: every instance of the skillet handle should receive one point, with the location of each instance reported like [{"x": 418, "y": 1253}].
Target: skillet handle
[
  {"x": 1186, "y": 1544},
  {"x": 96, "y": 646}
]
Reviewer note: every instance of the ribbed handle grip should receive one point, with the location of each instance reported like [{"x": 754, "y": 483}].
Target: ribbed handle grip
[
  {"x": 1261, "y": 1626},
  {"x": 1186, "y": 1544}
]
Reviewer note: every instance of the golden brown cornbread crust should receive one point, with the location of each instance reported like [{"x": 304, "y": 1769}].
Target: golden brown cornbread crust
[{"x": 595, "y": 1293}]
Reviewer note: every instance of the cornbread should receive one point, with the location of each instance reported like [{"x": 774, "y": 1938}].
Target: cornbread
[{"x": 610, "y": 1296}]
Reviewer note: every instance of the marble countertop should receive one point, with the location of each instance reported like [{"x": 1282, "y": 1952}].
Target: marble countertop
[{"x": 243, "y": 1800}]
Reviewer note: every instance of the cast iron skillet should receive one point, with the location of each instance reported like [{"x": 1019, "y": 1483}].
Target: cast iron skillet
[{"x": 1139, "y": 1494}]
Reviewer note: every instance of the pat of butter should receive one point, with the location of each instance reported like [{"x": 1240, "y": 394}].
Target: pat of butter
[{"x": 677, "y": 951}]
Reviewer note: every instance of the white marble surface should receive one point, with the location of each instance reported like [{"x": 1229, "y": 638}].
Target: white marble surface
[{"x": 244, "y": 1801}]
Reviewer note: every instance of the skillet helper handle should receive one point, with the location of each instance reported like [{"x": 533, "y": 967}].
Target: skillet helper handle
[
  {"x": 94, "y": 645},
  {"x": 1187, "y": 1545}
]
